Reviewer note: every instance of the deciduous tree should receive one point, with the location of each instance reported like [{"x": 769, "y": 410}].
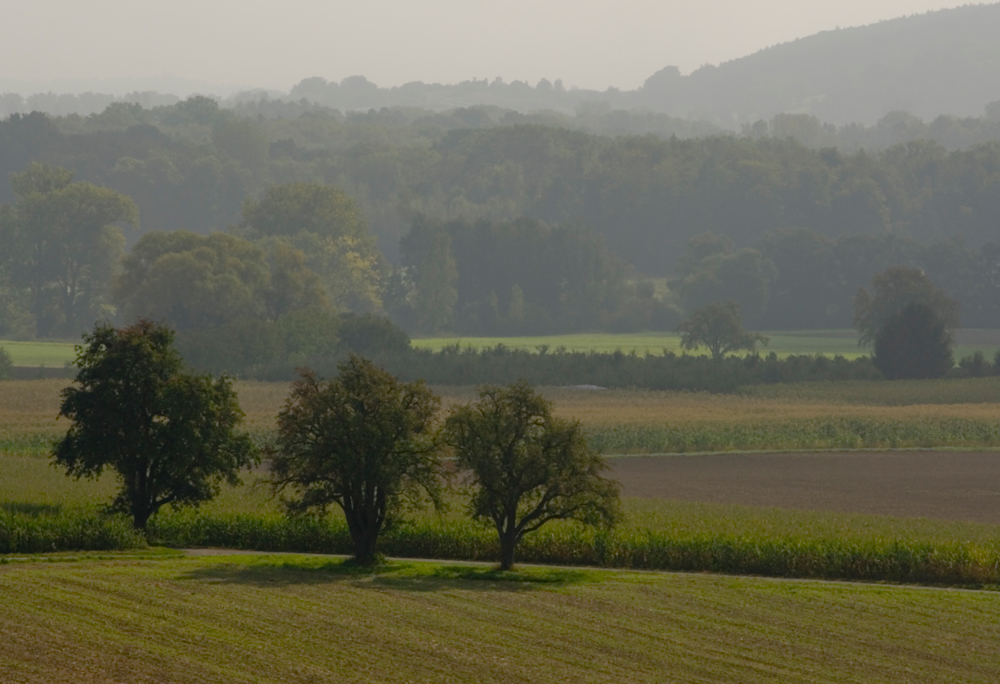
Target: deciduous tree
[
  {"x": 68, "y": 241},
  {"x": 719, "y": 327},
  {"x": 914, "y": 344},
  {"x": 892, "y": 291},
  {"x": 363, "y": 441},
  {"x": 171, "y": 437},
  {"x": 527, "y": 467}
]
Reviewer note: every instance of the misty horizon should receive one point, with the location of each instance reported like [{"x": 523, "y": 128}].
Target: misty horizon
[{"x": 616, "y": 49}]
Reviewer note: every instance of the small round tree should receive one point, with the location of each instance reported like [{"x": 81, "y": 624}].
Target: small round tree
[
  {"x": 364, "y": 441},
  {"x": 527, "y": 467},
  {"x": 719, "y": 327},
  {"x": 170, "y": 436},
  {"x": 913, "y": 344}
]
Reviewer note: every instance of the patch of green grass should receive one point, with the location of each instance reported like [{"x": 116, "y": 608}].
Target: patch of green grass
[
  {"x": 252, "y": 619},
  {"x": 782, "y": 342},
  {"x": 656, "y": 343},
  {"x": 49, "y": 354}
]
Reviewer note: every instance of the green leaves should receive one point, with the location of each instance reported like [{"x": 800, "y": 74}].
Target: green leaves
[
  {"x": 719, "y": 327},
  {"x": 363, "y": 441},
  {"x": 170, "y": 436},
  {"x": 526, "y": 467}
]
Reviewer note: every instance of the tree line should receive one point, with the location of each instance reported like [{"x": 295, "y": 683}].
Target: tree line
[
  {"x": 362, "y": 441},
  {"x": 300, "y": 263},
  {"x": 504, "y": 230},
  {"x": 191, "y": 165}
]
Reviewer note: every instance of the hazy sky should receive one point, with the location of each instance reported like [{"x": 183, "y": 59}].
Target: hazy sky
[{"x": 236, "y": 43}]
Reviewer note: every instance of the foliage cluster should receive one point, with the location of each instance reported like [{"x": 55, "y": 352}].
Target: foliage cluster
[
  {"x": 499, "y": 365},
  {"x": 368, "y": 443},
  {"x": 521, "y": 277},
  {"x": 798, "y": 229},
  {"x": 170, "y": 436}
]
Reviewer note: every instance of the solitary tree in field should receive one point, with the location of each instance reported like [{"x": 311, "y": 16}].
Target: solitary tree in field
[
  {"x": 170, "y": 436},
  {"x": 719, "y": 327},
  {"x": 913, "y": 344},
  {"x": 892, "y": 291},
  {"x": 909, "y": 323},
  {"x": 363, "y": 441},
  {"x": 528, "y": 467}
]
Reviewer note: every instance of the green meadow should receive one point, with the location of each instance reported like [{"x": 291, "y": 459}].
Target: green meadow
[
  {"x": 48, "y": 354},
  {"x": 783, "y": 343}
]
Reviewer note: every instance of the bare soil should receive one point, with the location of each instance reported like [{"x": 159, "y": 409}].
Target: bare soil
[{"x": 948, "y": 485}]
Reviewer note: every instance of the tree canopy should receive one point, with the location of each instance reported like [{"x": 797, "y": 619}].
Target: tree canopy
[
  {"x": 892, "y": 291},
  {"x": 65, "y": 242},
  {"x": 527, "y": 467},
  {"x": 913, "y": 344},
  {"x": 171, "y": 437},
  {"x": 719, "y": 328},
  {"x": 362, "y": 440}
]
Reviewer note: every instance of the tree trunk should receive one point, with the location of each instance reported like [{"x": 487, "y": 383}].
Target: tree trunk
[
  {"x": 508, "y": 542},
  {"x": 364, "y": 548},
  {"x": 364, "y": 535}
]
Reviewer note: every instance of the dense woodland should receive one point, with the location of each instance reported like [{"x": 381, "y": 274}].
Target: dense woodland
[{"x": 276, "y": 234}]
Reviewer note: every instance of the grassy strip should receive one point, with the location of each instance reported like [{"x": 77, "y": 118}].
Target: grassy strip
[
  {"x": 866, "y": 558},
  {"x": 818, "y": 433}
]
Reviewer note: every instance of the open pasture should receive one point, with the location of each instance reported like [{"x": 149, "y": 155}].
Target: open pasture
[
  {"x": 312, "y": 619},
  {"x": 49, "y": 354},
  {"x": 782, "y": 342}
]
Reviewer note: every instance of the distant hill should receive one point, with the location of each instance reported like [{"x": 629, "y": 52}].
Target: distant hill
[
  {"x": 944, "y": 62},
  {"x": 940, "y": 63}
]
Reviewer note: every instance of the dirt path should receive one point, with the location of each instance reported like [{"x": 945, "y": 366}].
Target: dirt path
[{"x": 950, "y": 485}]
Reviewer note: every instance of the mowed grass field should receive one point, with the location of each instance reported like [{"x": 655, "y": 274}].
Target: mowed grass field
[
  {"x": 312, "y": 619},
  {"x": 782, "y": 342}
]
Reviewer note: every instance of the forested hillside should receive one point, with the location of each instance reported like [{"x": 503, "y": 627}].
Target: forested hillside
[
  {"x": 929, "y": 65},
  {"x": 509, "y": 224}
]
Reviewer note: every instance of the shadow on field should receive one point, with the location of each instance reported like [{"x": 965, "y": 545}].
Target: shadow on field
[
  {"x": 395, "y": 575},
  {"x": 32, "y": 509}
]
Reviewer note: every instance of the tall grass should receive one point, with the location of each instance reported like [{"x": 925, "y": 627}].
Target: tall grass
[
  {"x": 818, "y": 433},
  {"x": 31, "y": 531}
]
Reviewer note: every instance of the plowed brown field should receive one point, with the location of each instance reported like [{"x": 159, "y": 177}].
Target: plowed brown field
[{"x": 947, "y": 485}]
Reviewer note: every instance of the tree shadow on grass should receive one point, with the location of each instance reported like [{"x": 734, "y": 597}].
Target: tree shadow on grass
[
  {"x": 33, "y": 509},
  {"x": 481, "y": 578},
  {"x": 403, "y": 576}
]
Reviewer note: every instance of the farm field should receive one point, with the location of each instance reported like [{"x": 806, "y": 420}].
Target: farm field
[
  {"x": 49, "y": 354},
  {"x": 302, "y": 619},
  {"x": 944, "y": 485},
  {"x": 782, "y": 342},
  {"x": 865, "y": 414}
]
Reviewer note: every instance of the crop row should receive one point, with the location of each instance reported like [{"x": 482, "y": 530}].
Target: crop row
[
  {"x": 819, "y": 433},
  {"x": 870, "y": 559}
]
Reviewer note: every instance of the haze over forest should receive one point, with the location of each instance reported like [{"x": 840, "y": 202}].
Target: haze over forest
[
  {"x": 938, "y": 63},
  {"x": 783, "y": 181}
]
